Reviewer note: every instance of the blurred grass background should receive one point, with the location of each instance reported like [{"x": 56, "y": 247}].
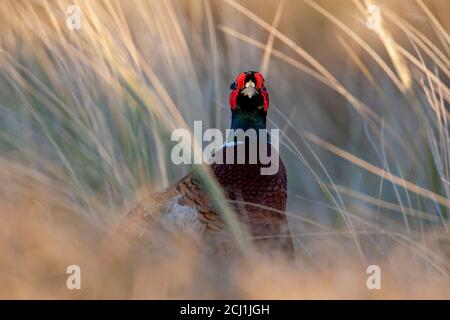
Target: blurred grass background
[{"x": 86, "y": 117}]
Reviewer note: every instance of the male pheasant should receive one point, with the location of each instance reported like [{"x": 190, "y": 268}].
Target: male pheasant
[{"x": 258, "y": 200}]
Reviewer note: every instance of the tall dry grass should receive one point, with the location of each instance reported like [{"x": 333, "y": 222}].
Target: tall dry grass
[{"x": 85, "y": 124}]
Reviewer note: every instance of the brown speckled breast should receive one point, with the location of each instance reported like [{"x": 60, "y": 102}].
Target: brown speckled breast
[{"x": 259, "y": 200}]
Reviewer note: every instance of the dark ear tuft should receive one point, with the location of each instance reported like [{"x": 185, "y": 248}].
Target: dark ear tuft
[{"x": 233, "y": 85}]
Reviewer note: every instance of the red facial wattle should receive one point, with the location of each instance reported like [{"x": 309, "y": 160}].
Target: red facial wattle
[
  {"x": 240, "y": 79},
  {"x": 233, "y": 98},
  {"x": 259, "y": 81},
  {"x": 240, "y": 84},
  {"x": 265, "y": 95}
]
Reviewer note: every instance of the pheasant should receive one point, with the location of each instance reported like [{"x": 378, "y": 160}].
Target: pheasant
[{"x": 258, "y": 200}]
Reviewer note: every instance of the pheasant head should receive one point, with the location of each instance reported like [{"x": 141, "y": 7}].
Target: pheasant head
[{"x": 249, "y": 101}]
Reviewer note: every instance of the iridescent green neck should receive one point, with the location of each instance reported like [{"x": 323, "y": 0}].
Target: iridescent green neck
[{"x": 255, "y": 119}]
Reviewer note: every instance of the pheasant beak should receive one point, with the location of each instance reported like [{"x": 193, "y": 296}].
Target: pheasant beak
[{"x": 250, "y": 89}]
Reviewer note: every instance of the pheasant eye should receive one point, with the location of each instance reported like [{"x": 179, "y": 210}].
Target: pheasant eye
[{"x": 233, "y": 85}]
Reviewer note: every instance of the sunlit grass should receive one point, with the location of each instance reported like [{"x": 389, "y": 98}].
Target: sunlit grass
[{"x": 86, "y": 117}]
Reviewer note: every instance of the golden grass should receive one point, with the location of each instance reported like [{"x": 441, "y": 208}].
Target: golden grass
[
  {"x": 41, "y": 239},
  {"x": 85, "y": 122}
]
